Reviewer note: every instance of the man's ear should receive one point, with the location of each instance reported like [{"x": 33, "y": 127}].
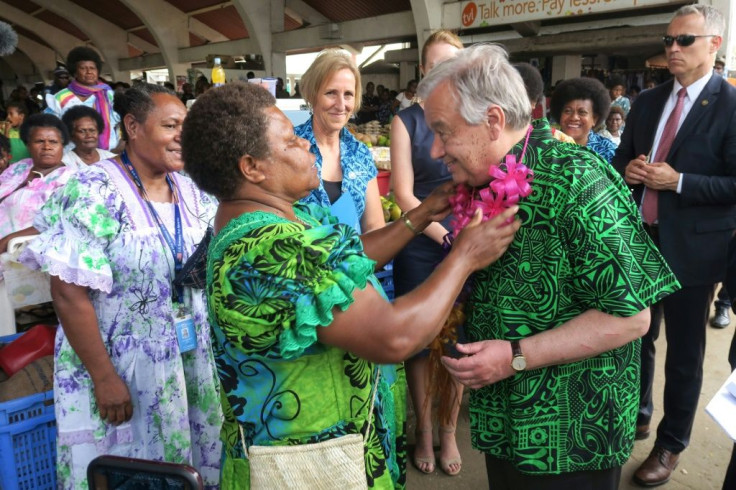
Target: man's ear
[
  {"x": 251, "y": 169},
  {"x": 496, "y": 121},
  {"x": 715, "y": 43}
]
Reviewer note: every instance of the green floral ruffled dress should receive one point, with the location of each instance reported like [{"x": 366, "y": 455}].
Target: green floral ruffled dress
[{"x": 270, "y": 284}]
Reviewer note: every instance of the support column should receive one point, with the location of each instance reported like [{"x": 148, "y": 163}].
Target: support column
[
  {"x": 60, "y": 41},
  {"x": 169, "y": 26},
  {"x": 407, "y": 71},
  {"x": 564, "y": 67},
  {"x": 257, "y": 17},
  {"x": 427, "y": 18},
  {"x": 728, "y": 48},
  {"x": 22, "y": 70},
  {"x": 111, "y": 40},
  {"x": 43, "y": 58},
  {"x": 278, "y": 66}
]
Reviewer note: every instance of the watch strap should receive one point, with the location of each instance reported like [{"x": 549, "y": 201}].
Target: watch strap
[{"x": 515, "y": 348}]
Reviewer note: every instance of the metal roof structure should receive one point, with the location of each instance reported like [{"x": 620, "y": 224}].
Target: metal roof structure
[{"x": 135, "y": 35}]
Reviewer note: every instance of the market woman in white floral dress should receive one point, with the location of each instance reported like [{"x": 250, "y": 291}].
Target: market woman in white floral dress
[{"x": 134, "y": 372}]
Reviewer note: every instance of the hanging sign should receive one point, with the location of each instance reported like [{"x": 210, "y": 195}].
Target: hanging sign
[{"x": 493, "y": 12}]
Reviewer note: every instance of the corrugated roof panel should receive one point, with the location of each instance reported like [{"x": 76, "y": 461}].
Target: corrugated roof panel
[
  {"x": 226, "y": 21},
  {"x": 113, "y": 11},
  {"x": 63, "y": 24},
  {"x": 133, "y": 52},
  {"x": 29, "y": 34},
  {"x": 195, "y": 40},
  {"x": 290, "y": 24},
  {"x": 341, "y": 11},
  {"x": 145, "y": 34}
]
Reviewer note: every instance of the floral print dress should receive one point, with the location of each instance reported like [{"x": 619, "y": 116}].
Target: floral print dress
[
  {"x": 97, "y": 232},
  {"x": 271, "y": 284},
  {"x": 19, "y": 208}
]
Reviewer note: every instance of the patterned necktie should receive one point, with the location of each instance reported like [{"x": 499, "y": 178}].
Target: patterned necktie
[{"x": 651, "y": 196}]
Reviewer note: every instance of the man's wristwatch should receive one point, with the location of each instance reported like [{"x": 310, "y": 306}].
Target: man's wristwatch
[{"x": 518, "y": 361}]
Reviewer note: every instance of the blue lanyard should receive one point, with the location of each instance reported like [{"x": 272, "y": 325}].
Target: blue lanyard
[{"x": 176, "y": 245}]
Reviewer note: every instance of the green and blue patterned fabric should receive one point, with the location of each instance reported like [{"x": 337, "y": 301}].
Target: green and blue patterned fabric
[{"x": 271, "y": 283}]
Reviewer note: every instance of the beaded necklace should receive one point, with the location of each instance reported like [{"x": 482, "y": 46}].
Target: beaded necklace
[{"x": 510, "y": 181}]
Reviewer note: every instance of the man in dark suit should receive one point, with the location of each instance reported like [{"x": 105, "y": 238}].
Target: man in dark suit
[
  {"x": 729, "y": 482},
  {"x": 678, "y": 152}
]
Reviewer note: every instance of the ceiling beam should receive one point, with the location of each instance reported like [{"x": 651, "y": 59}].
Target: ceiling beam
[
  {"x": 393, "y": 26},
  {"x": 210, "y": 8},
  {"x": 205, "y": 32},
  {"x": 390, "y": 26},
  {"x": 170, "y": 28},
  {"x": 603, "y": 40},
  {"x": 527, "y": 29},
  {"x": 60, "y": 41},
  {"x": 299, "y": 10},
  {"x": 43, "y": 58}
]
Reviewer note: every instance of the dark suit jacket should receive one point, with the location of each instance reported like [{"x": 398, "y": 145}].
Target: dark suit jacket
[{"x": 696, "y": 225}]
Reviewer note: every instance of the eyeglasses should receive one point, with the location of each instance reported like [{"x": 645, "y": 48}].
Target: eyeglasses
[{"x": 684, "y": 40}]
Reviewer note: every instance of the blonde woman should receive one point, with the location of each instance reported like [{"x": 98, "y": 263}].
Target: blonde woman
[{"x": 347, "y": 174}]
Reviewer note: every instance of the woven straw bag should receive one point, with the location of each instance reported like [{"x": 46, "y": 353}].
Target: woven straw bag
[{"x": 336, "y": 464}]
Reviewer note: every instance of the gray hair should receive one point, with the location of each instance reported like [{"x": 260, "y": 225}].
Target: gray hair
[
  {"x": 482, "y": 76},
  {"x": 714, "y": 21}
]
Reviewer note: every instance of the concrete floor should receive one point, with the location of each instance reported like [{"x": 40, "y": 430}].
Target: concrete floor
[{"x": 702, "y": 466}]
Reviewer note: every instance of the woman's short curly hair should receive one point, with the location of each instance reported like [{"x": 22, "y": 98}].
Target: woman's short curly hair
[
  {"x": 617, "y": 80},
  {"x": 138, "y": 101},
  {"x": 616, "y": 110},
  {"x": 82, "y": 53},
  {"x": 43, "y": 120},
  {"x": 225, "y": 124},
  {"x": 81, "y": 111},
  {"x": 581, "y": 89}
]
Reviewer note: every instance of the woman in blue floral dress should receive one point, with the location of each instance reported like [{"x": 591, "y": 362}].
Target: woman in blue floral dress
[
  {"x": 126, "y": 381},
  {"x": 580, "y": 105},
  {"x": 345, "y": 166}
]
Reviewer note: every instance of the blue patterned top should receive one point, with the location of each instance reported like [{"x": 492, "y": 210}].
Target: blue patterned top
[
  {"x": 357, "y": 165},
  {"x": 623, "y": 103},
  {"x": 604, "y": 147}
]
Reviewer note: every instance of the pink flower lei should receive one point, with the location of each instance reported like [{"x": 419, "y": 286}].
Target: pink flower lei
[{"x": 510, "y": 181}]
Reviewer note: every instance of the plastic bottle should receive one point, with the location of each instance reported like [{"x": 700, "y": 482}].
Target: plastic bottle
[{"x": 218, "y": 73}]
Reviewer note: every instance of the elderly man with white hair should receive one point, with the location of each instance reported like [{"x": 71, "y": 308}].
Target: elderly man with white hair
[{"x": 554, "y": 325}]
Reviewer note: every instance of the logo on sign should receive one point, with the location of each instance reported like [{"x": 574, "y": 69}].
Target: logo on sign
[{"x": 470, "y": 12}]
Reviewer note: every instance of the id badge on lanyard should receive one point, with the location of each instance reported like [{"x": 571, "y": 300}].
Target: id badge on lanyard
[{"x": 186, "y": 335}]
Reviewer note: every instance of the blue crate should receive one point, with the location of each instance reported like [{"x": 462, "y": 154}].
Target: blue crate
[{"x": 28, "y": 441}]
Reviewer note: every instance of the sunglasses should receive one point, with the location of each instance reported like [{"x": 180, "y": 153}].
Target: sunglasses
[{"x": 683, "y": 40}]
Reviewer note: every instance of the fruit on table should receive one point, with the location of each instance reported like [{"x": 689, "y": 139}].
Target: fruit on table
[{"x": 391, "y": 210}]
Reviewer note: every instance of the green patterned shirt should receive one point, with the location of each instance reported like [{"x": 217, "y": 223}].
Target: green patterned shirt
[{"x": 581, "y": 247}]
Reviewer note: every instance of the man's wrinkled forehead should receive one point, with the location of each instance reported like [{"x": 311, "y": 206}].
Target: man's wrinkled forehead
[{"x": 440, "y": 106}]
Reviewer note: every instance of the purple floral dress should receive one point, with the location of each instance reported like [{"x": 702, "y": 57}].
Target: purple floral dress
[{"x": 97, "y": 232}]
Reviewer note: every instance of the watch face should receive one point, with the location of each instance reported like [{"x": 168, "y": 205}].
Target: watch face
[{"x": 518, "y": 363}]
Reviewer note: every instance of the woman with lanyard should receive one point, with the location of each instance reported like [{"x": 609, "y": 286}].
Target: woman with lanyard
[{"x": 134, "y": 373}]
